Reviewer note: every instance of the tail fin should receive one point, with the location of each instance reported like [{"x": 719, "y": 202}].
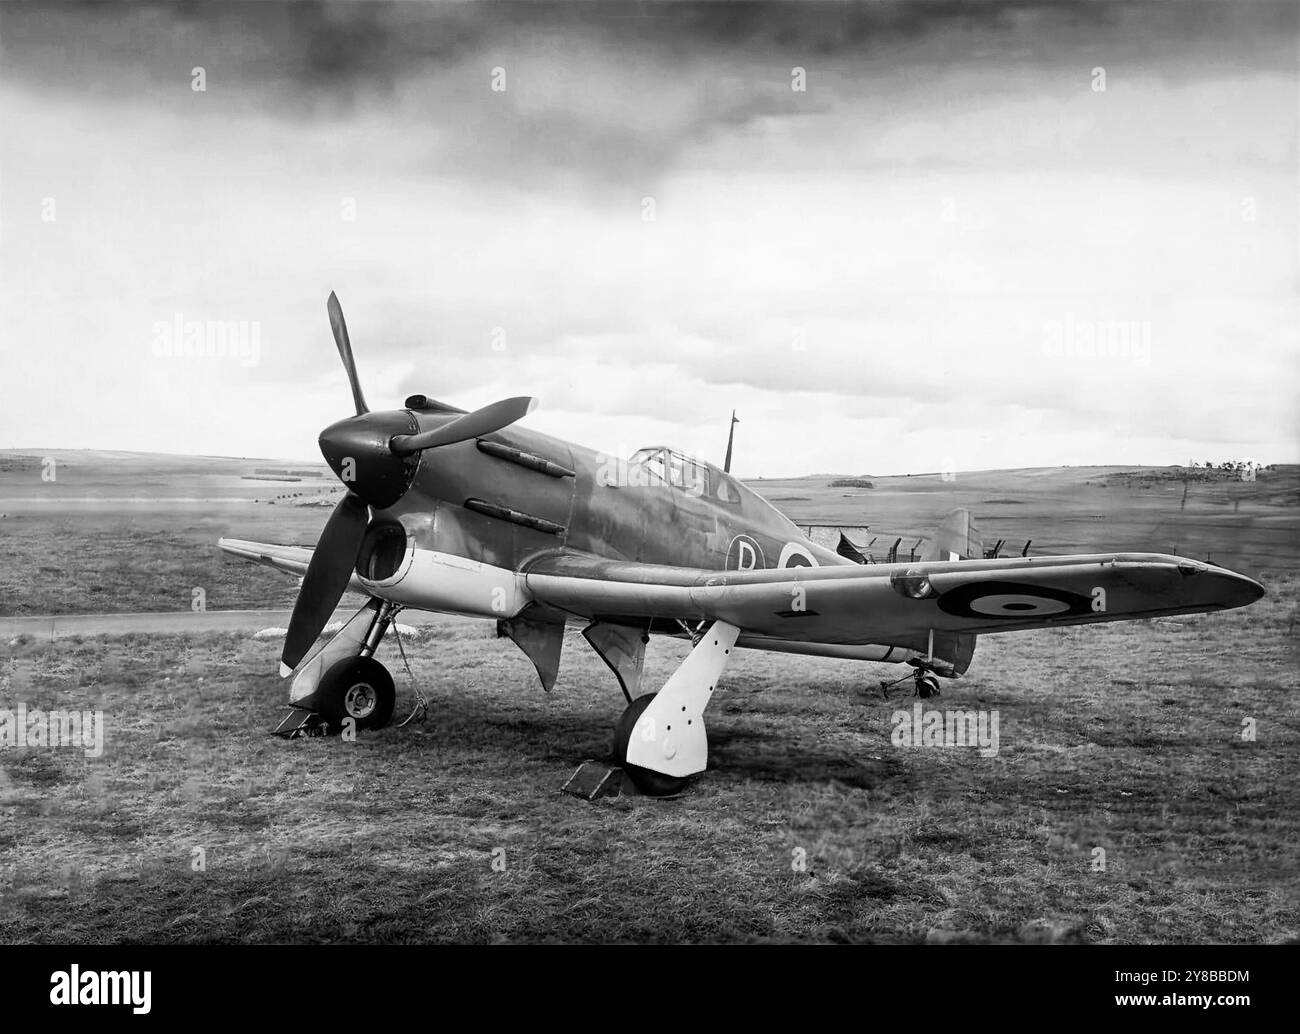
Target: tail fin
[{"x": 956, "y": 538}]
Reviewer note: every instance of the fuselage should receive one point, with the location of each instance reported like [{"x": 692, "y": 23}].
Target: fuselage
[{"x": 508, "y": 497}]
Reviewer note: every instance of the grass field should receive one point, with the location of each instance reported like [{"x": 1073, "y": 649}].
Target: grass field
[
  {"x": 131, "y": 532},
  {"x": 1126, "y": 738},
  {"x": 810, "y": 825}
]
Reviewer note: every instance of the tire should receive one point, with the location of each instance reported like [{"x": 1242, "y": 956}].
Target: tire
[
  {"x": 649, "y": 782},
  {"x": 359, "y": 688}
]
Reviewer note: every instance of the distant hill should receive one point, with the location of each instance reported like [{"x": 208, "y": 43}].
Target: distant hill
[{"x": 107, "y": 460}]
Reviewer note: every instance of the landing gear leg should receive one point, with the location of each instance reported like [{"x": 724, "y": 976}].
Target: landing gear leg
[
  {"x": 660, "y": 740},
  {"x": 342, "y": 681}
]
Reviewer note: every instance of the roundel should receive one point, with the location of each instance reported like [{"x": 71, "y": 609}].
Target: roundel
[
  {"x": 794, "y": 555},
  {"x": 1012, "y": 600},
  {"x": 744, "y": 554}
]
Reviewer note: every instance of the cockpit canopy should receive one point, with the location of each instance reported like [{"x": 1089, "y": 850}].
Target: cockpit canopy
[{"x": 697, "y": 477}]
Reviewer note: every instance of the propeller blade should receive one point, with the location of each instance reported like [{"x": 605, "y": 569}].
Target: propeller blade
[
  {"x": 345, "y": 351},
  {"x": 326, "y": 580},
  {"x": 471, "y": 425}
]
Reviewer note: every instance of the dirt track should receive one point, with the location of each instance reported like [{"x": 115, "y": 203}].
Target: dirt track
[{"x": 63, "y": 626}]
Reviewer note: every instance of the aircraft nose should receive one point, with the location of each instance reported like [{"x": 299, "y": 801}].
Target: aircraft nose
[{"x": 356, "y": 449}]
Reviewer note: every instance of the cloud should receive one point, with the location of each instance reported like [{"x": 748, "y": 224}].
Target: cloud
[{"x": 875, "y": 260}]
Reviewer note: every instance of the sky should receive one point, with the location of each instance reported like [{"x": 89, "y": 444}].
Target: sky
[{"x": 979, "y": 236}]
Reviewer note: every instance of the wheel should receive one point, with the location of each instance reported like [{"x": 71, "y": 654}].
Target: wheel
[
  {"x": 359, "y": 688},
  {"x": 927, "y": 686},
  {"x": 648, "y": 781}
]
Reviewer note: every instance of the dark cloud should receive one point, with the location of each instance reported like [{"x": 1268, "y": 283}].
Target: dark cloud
[
  {"x": 347, "y": 49},
  {"x": 605, "y": 98}
]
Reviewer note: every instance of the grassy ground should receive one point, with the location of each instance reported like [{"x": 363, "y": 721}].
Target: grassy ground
[
  {"x": 130, "y": 532},
  {"x": 810, "y": 824},
  {"x": 78, "y": 564},
  {"x": 1123, "y": 737}
]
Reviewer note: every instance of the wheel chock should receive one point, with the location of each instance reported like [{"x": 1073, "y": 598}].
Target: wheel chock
[
  {"x": 595, "y": 779},
  {"x": 301, "y": 722}
]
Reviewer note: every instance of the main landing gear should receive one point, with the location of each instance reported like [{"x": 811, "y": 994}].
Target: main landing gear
[
  {"x": 342, "y": 682},
  {"x": 660, "y": 740},
  {"x": 357, "y": 688},
  {"x": 647, "y": 780}
]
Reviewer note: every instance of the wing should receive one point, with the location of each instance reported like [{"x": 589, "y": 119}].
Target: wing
[
  {"x": 290, "y": 559},
  {"x": 892, "y": 603}
]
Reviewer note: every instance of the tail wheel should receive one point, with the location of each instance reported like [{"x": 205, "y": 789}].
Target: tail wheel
[
  {"x": 358, "y": 688},
  {"x": 649, "y": 782},
  {"x": 927, "y": 686}
]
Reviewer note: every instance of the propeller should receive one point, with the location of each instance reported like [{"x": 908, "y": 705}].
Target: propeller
[
  {"x": 462, "y": 429},
  {"x": 327, "y": 578},
  {"x": 375, "y": 456},
  {"x": 344, "y": 343}
]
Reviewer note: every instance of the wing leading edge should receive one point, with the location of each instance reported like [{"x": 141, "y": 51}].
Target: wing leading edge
[{"x": 289, "y": 559}]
